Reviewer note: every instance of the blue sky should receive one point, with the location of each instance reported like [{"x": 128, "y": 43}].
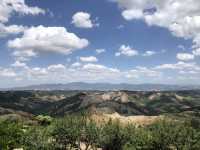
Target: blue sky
[{"x": 117, "y": 41}]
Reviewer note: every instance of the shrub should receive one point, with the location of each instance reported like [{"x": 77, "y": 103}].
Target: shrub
[
  {"x": 195, "y": 123},
  {"x": 67, "y": 132},
  {"x": 72, "y": 131},
  {"x": 37, "y": 138},
  {"x": 113, "y": 136},
  {"x": 139, "y": 138},
  {"x": 10, "y": 135},
  {"x": 174, "y": 135},
  {"x": 90, "y": 135},
  {"x": 44, "y": 120}
]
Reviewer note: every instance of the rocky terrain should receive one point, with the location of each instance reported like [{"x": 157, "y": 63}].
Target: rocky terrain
[{"x": 125, "y": 103}]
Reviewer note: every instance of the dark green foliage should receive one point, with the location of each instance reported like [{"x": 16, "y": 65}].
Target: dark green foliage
[
  {"x": 44, "y": 120},
  {"x": 67, "y": 132},
  {"x": 37, "y": 138},
  {"x": 10, "y": 135},
  {"x": 139, "y": 138},
  {"x": 195, "y": 123},
  {"x": 91, "y": 134},
  {"x": 113, "y": 136},
  {"x": 174, "y": 135},
  {"x": 73, "y": 131}
]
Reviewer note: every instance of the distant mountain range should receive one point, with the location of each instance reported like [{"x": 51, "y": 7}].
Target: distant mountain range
[{"x": 106, "y": 87}]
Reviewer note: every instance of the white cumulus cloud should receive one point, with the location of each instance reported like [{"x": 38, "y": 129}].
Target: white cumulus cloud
[
  {"x": 82, "y": 20},
  {"x": 99, "y": 51},
  {"x": 89, "y": 59},
  {"x": 12, "y": 29},
  {"x": 196, "y": 52},
  {"x": 181, "y": 18},
  {"x": 56, "y": 68},
  {"x": 8, "y": 7},
  {"x": 4, "y": 72},
  {"x": 46, "y": 39},
  {"x": 179, "y": 66},
  {"x": 127, "y": 51},
  {"x": 149, "y": 53},
  {"x": 19, "y": 64},
  {"x": 185, "y": 56}
]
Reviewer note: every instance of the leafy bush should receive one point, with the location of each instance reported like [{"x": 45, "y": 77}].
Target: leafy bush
[
  {"x": 10, "y": 135},
  {"x": 67, "y": 132},
  {"x": 139, "y": 138},
  {"x": 44, "y": 120},
  {"x": 195, "y": 123},
  {"x": 113, "y": 136},
  {"x": 37, "y": 138},
  {"x": 90, "y": 135},
  {"x": 73, "y": 131},
  {"x": 174, "y": 135}
]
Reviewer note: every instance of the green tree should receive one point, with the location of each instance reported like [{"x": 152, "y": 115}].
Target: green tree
[
  {"x": 10, "y": 135},
  {"x": 113, "y": 136},
  {"x": 37, "y": 138},
  {"x": 90, "y": 135},
  {"x": 139, "y": 138},
  {"x": 67, "y": 132},
  {"x": 174, "y": 135},
  {"x": 44, "y": 120}
]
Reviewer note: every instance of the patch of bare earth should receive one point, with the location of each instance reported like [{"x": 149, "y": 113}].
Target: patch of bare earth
[{"x": 137, "y": 120}]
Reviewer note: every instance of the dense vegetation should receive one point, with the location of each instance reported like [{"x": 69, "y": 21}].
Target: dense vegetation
[
  {"x": 75, "y": 132},
  {"x": 23, "y": 126}
]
